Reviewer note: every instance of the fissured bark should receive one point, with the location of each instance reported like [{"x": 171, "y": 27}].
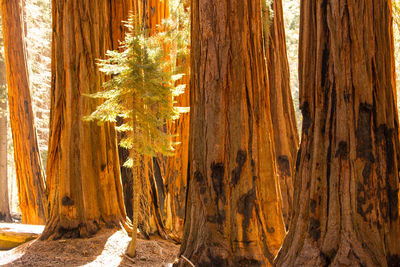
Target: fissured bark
[
  {"x": 233, "y": 215},
  {"x": 85, "y": 191},
  {"x": 346, "y": 209}
]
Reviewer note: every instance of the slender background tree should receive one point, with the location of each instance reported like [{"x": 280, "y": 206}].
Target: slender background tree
[
  {"x": 30, "y": 175},
  {"x": 5, "y": 214}
]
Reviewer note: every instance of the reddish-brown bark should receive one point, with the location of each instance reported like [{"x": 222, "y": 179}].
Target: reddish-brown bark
[
  {"x": 346, "y": 209},
  {"x": 85, "y": 191},
  {"x": 30, "y": 176},
  {"x": 233, "y": 213}
]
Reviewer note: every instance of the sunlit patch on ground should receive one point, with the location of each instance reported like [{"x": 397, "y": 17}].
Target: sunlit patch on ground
[{"x": 105, "y": 249}]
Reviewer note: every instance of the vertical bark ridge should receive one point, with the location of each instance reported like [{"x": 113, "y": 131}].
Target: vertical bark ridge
[{"x": 286, "y": 137}]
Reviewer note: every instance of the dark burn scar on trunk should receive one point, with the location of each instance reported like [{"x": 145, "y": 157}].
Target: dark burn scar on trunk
[
  {"x": 384, "y": 140},
  {"x": 245, "y": 206},
  {"x": 26, "y": 106},
  {"x": 241, "y": 158},
  {"x": 219, "y": 218},
  {"x": 198, "y": 176},
  {"x": 364, "y": 140},
  {"x": 3, "y": 216},
  {"x": 313, "y": 205},
  {"x": 284, "y": 165},
  {"x": 393, "y": 260},
  {"x": 347, "y": 97},
  {"x": 202, "y": 190},
  {"x": 314, "y": 229},
  {"x": 103, "y": 167},
  {"x": 215, "y": 259},
  {"x": 363, "y": 132},
  {"x": 342, "y": 150},
  {"x": 328, "y": 256},
  {"x": 253, "y": 163},
  {"x": 242, "y": 261},
  {"x": 217, "y": 176},
  {"x": 361, "y": 201},
  {"x": 67, "y": 201},
  {"x": 305, "y": 111},
  {"x": 393, "y": 197},
  {"x": 298, "y": 158},
  {"x": 270, "y": 230},
  {"x": 366, "y": 173}
]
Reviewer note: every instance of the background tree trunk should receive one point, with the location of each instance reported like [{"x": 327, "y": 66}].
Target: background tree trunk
[
  {"x": 29, "y": 171},
  {"x": 4, "y": 200},
  {"x": 164, "y": 178},
  {"x": 131, "y": 252},
  {"x": 346, "y": 209},
  {"x": 152, "y": 171},
  {"x": 283, "y": 116},
  {"x": 85, "y": 190},
  {"x": 233, "y": 215},
  {"x": 177, "y": 165}
]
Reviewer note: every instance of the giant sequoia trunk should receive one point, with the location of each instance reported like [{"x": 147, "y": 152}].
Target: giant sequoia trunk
[
  {"x": 4, "y": 200},
  {"x": 85, "y": 191},
  {"x": 233, "y": 215},
  {"x": 346, "y": 209},
  {"x": 30, "y": 177},
  {"x": 282, "y": 110}
]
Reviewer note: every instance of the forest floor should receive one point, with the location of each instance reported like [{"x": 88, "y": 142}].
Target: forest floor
[{"x": 107, "y": 248}]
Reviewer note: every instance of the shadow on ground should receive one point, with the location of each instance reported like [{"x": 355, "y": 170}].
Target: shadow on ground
[{"x": 73, "y": 252}]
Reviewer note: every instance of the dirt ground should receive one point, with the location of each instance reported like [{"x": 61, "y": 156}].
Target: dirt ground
[{"x": 107, "y": 248}]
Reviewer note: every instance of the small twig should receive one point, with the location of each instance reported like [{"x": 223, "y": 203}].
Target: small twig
[
  {"x": 128, "y": 264},
  {"x": 129, "y": 258},
  {"x": 188, "y": 261}
]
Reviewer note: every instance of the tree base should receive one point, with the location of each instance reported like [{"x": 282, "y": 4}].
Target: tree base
[
  {"x": 350, "y": 253},
  {"x": 215, "y": 257},
  {"x": 67, "y": 229},
  {"x": 131, "y": 251}
]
